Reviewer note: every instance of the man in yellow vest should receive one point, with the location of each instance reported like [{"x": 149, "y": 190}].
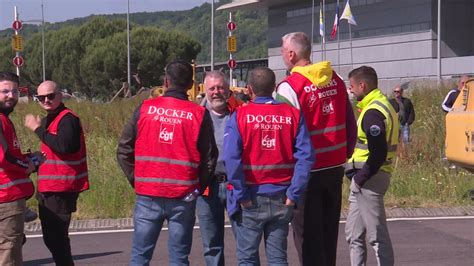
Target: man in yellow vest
[{"x": 370, "y": 169}]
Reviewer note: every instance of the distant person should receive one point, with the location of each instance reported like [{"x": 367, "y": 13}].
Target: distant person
[
  {"x": 452, "y": 95},
  {"x": 15, "y": 185},
  {"x": 321, "y": 96},
  {"x": 406, "y": 113},
  {"x": 64, "y": 175},
  {"x": 167, "y": 151},
  {"x": 268, "y": 155},
  {"x": 369, "y": 169}
]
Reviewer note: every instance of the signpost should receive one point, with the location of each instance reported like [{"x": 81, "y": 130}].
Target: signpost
[
  {"x": 18, "y": 61},
  {"x": 17, "y": 43},
  {"x": 17, "y": 25},
  {"x": 232, "y": 63},
  {"x": 231, "y": 47}
]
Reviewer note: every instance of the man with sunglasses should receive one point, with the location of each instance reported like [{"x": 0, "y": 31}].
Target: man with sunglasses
[
  {"x": 64, "y": 175},
  {"x": 406, "y": 113},
  {"x": 15, "y": 186}
]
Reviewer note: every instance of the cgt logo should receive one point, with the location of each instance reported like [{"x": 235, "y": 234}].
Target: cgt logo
[
  {"x": 166, "y": 133},
  {"x": 268, "y": 139},
  {"x": 327, "y": 107}
]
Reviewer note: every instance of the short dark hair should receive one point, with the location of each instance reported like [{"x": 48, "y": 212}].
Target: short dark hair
[
  {"x": 367, "y": 74},
  {"x": 262, "y": 80},
  {"x": 9, "y": 76},
  {"x": 179, "y": 74}
]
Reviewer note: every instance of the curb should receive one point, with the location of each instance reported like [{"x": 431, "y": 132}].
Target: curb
[{"x": 127, "y": 223}]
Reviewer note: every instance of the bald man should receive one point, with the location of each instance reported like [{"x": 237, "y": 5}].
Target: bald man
[
  {"x": 452, "y": 95},
  {"x": 64, "y": 174}
]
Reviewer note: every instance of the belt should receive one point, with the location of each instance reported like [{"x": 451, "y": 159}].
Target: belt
[{"x": 220, "y": 178}]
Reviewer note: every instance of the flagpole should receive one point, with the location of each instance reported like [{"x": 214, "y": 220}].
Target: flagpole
[
  {"x": 350, "y": 39},
  {"x": 338, "y": 43},
  {"x": 324, "y": 28},
  {"x": 312, "y": 32}
]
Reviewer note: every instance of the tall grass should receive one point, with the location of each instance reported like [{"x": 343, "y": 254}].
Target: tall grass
[{"x": 421, "y": 178}]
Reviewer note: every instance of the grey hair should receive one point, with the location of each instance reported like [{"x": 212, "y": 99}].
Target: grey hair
[{"x": 299, "y": 43}]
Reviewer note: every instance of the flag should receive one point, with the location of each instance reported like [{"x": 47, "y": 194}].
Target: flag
[
  {"x": 336, "y": 23},
  {"x": 321, "y": 22},
  {"x": 347, "y": 14}
]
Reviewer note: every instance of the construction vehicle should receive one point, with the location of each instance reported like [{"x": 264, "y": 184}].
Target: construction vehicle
[{"x": 460, "y": 129}]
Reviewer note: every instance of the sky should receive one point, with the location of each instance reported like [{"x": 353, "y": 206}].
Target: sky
[{"x": 61, "y": 10}]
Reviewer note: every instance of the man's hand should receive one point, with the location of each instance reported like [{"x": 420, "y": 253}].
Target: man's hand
[
  {"x": 41, "y": 156},
  {"x": 246, "y": 204},
  {"x": 289, "y": 202},
  {"x": 32, "y": 122}
]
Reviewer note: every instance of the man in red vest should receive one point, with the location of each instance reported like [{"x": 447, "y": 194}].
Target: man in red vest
[
  {"x": 64, "y": 174},
  {"x": 268, "y": 155},
  {"x": 15, "y": 186},
  {"x": 167, "y": 150},
  {"x": 321, "y": 95}
]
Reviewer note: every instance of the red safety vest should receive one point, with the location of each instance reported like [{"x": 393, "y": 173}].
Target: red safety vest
[
  {"x": 63, "y": 172},
  {"x": 324, "y": 109},
  {"x": 14, "y": 182},
  {"x": 268, "y": 132},
  {"x": 166, "y": 154}
]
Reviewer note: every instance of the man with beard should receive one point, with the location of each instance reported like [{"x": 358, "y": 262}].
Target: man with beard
[
  {"x": 210, "y": 206},
  {"x": 15, "y": 186},
  {"x": 64, "y": 175}
]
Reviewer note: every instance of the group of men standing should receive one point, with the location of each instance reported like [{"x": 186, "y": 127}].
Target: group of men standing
[
  {"x": 61, "y": 164},
  {"x": 269, "y": 163}
]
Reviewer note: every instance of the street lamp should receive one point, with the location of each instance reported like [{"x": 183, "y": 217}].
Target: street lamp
[
  {"x": 42, "y": 36},
  {"x": 128, "y": 43}
]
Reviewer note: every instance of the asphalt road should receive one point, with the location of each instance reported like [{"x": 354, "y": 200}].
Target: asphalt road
[{"x": 416, "y": 242}]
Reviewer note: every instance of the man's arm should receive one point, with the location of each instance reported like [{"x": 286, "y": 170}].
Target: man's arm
[
  {"x": 126, "y": 147},
  {"x": 304, "y": 155},
  {"x": 351, "y": 129},
  {"x": 68, "y": 138},
  {"x": 449, "y": 100},
  {"x": 373, "y": 125},
  {"x": 411, "y": 112},
  {"x": 208, "y": 149},
  {"x": 10, "y": 162},
  {"x": 233, "y": 159},
  {"x": 285, "y": 93}
]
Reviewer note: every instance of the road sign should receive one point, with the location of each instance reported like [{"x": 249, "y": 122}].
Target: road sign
[
  {"x": 17, "y": 43},
  {"x": 231, "y": 26},
  {"x": 232, "y": 63},
  {"x": 17, "y": 25},
  {"x": 231, "y": 44},
  {"x": 18, "y": 61}
]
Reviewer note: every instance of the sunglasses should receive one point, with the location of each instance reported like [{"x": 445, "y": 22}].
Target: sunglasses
[
  {"x": 50, "y": 97},
  {"x": 396, "y": 91}
]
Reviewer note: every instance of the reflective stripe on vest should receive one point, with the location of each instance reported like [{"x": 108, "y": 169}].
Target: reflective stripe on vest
[
  {"x": 327, "y": 130},
  {"x": 15, "y": 182},
  {"x": 269, "y": 167},
  {"x": 62, "y": 177},
  {"x": 166, "y": 181},
  {"x": 60, "y": 162},
  {"x": 363, "y": 146},
  {"x": 166, "y": 160},
  {"x": 330, "y": 148}
]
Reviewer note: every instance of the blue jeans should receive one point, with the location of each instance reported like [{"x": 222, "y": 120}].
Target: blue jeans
[
  {"x": 148, "y": 218},
  {"x": 405, "y": 133},
  {"x": 268, "y": 216},
  {"x": 210, "y": 211}
]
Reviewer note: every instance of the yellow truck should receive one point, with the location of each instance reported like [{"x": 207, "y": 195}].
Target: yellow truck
[{"x": 460, "y": 129}]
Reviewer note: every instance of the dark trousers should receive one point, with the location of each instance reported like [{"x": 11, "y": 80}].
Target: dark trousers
[
  {"x": 316, "y": 219},
  {"x": 55, "y": 214}
]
